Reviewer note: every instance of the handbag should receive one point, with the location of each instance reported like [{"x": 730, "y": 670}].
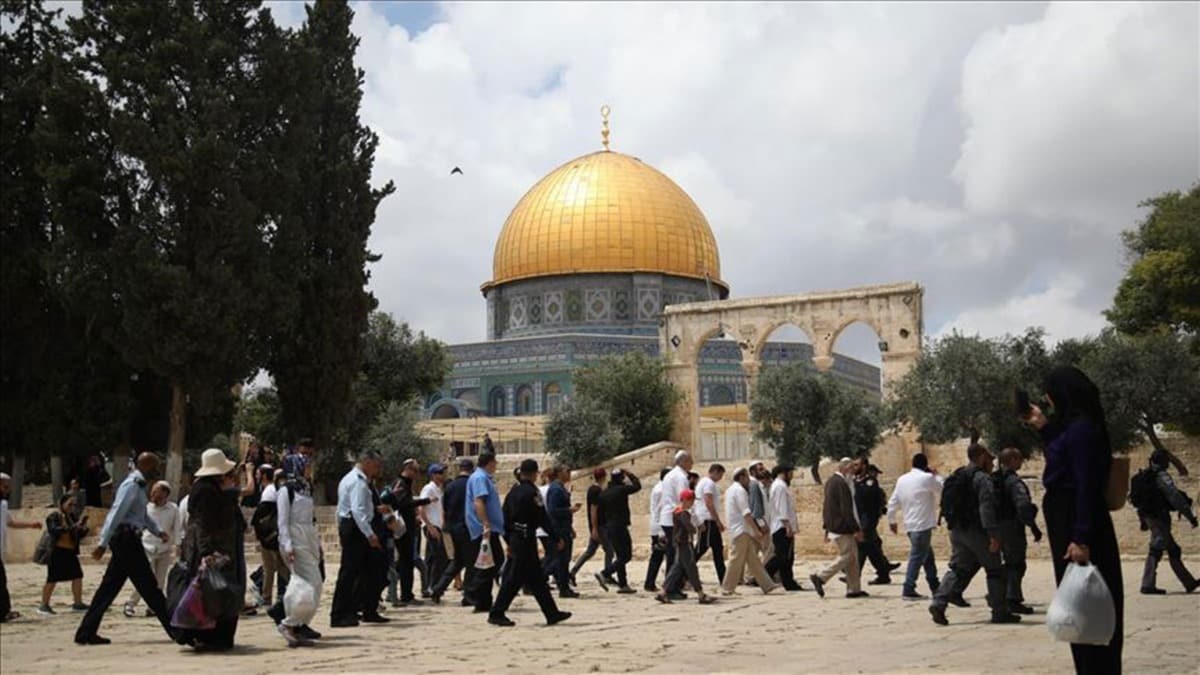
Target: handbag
[
  {"x": 41, "y": 555},
  {"x": 221, "y": 598}
]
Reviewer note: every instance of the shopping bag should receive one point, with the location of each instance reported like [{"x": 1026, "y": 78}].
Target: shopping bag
[
  {"x": 1082, "y": 611},
  {"x": 222, "y": 599},
  {"x": 41, "y": 555},
  {"x": 300, "y": 599},
  {"x": 485, "y": 560},
  {"x": 191, "y": 613}
]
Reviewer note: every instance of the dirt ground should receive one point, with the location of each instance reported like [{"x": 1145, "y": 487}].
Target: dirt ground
[{"x": 795, "y": 632}]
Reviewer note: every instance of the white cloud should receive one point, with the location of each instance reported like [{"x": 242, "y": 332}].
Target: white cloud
[{"x": 1057, "y": 309}]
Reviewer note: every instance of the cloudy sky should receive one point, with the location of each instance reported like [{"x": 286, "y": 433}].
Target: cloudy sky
[{"x": 991, "y": 152}]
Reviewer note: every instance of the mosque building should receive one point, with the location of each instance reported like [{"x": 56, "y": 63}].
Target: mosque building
[{"x": 582, "y": 270}]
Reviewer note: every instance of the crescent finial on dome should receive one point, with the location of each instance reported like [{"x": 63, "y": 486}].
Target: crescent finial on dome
[{"x": 604, "y": 110}]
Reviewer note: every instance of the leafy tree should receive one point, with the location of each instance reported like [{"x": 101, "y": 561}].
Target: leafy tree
[
  {"x": 1144, "y": 382},
  {"x": 259, "y": 414},
  {"x": 581, "y": 433},
  {"x": 634, "y": 390},
  {"x": 190, "y": 114},
  {"x": 1161, "y": 289},
  {"x": 805, "y": 415},
  {"x": 394, "y": 436},
  {"x": 326, "y": 207}
]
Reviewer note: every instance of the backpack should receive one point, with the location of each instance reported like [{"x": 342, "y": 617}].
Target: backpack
[
  {"x": 266, "y": 525},
  {"x": 1144, "y": 493},
  {"x": 1006, "y": 509},
  {"x": 960, "y": 504}
]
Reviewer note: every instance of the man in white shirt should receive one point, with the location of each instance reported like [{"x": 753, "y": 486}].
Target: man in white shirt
[
  {"x": 744, "y": 531},
  {"x": 6, "y": 521},
  {"x": 658, "y": 545},
  {"x": 708, "y": 509},
  {"x": 432, "y": 518},
  {"x": 161, "y": 553},
  {"x": 784, "y": 524},
  {"x": 674, "y": 483},
  {"x": 916, "y": 494}
]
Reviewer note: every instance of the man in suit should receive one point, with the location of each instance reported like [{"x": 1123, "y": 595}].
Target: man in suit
[{"x": 843, "y": 529}]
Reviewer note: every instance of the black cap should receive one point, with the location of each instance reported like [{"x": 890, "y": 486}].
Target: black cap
[{"x": 529, "y": 466}]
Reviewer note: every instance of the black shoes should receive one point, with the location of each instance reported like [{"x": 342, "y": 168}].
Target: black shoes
[
  {"x": 308, "y": 633},
  {"x": 93, "y": 640},
  {"x": 276, "y": 613},
  {"x": 502, "y": 621},
  {"x": 1006, "y": 618},
  {"x": 558, "y": 618},
  {"x": 677, "y": 595},
  {"x": 892, "y": 567},
  {"x": 958, "y": 601},
  {"x": 602, "y": 581},
  {"x": 818, "y": 585},
  {"x": 650, "y": 588},
  {"x": 568, "y": 593},
  {"x": 857, "y": 594},
  {"x": 1153, "y": 591},
  {"x": 625, "y": 590},
  {"x": 939, "y": 615},
  {"x": 1194, "y": 586},
  {"x": 375, "y": 618},
  {"x": 343, "y": 623},
  {"x": 880, "y": 581},
  {"x": 913, "y": 596},
  {"x": 1019, "y": 608}
]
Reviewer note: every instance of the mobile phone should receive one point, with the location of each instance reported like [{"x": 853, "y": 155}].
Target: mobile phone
[{"x": 1022, "y": 404}]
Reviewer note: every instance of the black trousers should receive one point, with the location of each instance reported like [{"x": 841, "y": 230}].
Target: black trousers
[
  {"x": 871, "y": 548},
  {"x": 128, "y": 561},
  {"x": 784, "y": 560},
  {"x": 523, "y": 571},
  {"x": 478, "y": 584},
  {"x": 5, "y": 599},
  {"x": 622, "y": 548},
  {"x": 1058, "y": 506},
  {"x": 670, "y": 554},
  {"x": 435, "y": 560},
  {"x": 711, "y": 539},
  {"x": 361, "y": 577},
  {"x": 591, "y": 549},
  {"x": 657, "y": 555},
  {"x": 404, "y": 562},
  {"x": 460, "y": 561}
]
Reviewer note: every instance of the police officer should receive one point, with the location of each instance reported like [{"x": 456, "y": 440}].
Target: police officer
[
  {"x": 1157, "y": 519},
  {"x": 871, "y": 502},
  {"x": 524, "y": 512},
  {"x": 974, "y": 537},
  {"x": 1016, "y": 511}
]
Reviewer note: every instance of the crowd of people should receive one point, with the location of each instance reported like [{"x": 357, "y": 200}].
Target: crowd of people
[{"x": 493, "y": 548}]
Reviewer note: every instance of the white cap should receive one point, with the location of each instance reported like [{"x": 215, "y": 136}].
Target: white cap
[{"x": 680, "y": 455}]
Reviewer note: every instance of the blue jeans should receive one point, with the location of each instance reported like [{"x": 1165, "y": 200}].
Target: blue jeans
[{"x": 920, "y": 555}]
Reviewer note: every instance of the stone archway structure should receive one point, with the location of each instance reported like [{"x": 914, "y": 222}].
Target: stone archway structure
[{"x": 893, "y": 311}]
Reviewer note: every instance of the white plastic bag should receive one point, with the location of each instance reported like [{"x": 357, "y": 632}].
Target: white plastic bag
[
  {"x": 1082, "y": 610},
  {"x": 485, "y": 560},
  {"x": 300, "y": 599}
]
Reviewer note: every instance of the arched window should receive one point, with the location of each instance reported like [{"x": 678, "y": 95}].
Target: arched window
[
  {"x": 525, "y": 400},
  {"x": 554, "y": 397},
  {"x": 719, "y": 394},
  {"x": 496, "y": 407}
]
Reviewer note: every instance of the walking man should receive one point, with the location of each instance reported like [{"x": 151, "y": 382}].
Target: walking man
[
  {"x": 658, "y": 543},
  {"x": 485, "y": 522},
  {"x": 916, "y": 494},
  {"x": 122, "y": 533},
  {"x": 357, "y": 588},
  {"x": 673, "y": 484},
  {"x": 562, "y": 515},
  {"x": 6, "y": 521},
  {"x": 1155, "y": 515},
  {"x": 842, "y": 528},
  {"x": 432, "y": 517},
  {"x": 524, "y": 512},
  {"x": 708, "y": 502},
  {"x": 596, "y": 530},
  {"x": 403, "y": 502},
  {"x": 1015, "y": 512},
  {"x": 455, "y": 533},
  {"x": 870, "y": 500},
  {"x": 744, "y": 530},
  {"x": 969, "y": 507},
  {"x": 784, "y": 524},
  {"x": 614, "y": 504}
]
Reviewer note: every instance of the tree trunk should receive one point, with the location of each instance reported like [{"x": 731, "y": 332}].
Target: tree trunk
[
  {"x": 816, "y": 471},
  {"x": 17, "y": 484},
  {"x": 1158, "y": 445},
  {"x": 56, "y": 477},
  {"x": 120, "y": 464},
  {"x": 176, "y": 436}
]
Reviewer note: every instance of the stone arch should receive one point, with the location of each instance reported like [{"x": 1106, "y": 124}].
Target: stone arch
[
  {"x": 525, "y": 400},
  {"x": 497, "y": 402},
  {"x": 894, "y": 309},
  {"x": 445, "y": 410}
]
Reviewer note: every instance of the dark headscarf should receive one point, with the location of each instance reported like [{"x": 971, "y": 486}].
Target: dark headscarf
[{"x": 1075, "y": 396}]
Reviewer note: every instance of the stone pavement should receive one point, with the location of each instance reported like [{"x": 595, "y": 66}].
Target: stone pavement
[{"x": 609, "y": 633}]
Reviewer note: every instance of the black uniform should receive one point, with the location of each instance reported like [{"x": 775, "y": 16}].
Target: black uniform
[
  {"x": 1157, "y": 519},
  {"x": 614, "y": 505},
  {"x": 1016, "y": 511},
  {"x": 870, "y": 500},
  {"x": 524, "y": 513},
  {"x": 402, "y": 501}
]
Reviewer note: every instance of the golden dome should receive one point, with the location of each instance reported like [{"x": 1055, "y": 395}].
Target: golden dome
[{"x": 606, "y": 212}]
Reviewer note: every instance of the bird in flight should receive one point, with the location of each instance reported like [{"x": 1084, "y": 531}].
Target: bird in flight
[{"x": 456, "y": 170}]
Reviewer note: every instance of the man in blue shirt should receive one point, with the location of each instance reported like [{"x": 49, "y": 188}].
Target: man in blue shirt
[
  {"x": 357, "y": 588},
  {"x": 485, "y": 519},
  {"x": 122, "y": 532}
]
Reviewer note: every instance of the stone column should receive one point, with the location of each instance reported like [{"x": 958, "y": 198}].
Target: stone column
[
  {"x": 751, "y": 369},
  {"x": 894, "y": 367},
  {"x": 685, "y": 422}
]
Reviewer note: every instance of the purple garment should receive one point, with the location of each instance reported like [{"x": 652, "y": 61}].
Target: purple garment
[{"x": 1078, "y": 461}]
